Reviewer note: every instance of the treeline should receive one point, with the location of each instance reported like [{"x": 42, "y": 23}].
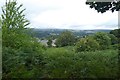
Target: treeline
[
  {"x": 97, "y": 41},
  {"x": 47, "y": 33}
]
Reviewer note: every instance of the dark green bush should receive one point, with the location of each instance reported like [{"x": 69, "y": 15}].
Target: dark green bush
[
  {"x": 63, "y": 63},
  {"x": 21, "y": 64},
  {"x": 114, "y": 39},
  {"x": 59, "y": 62},
  {"x": 86, "y": 44},
  {"x": 103, "y": 39},
  {"x": 115, "y": 46},
  {"x": 66, "y": 38},
  {"x": 49, "y": 43}
]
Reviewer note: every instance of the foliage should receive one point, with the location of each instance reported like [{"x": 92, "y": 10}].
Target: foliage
[
  {"x": 0, "y": 51},
  {"x": 24, "y": 57},
  {"x": 13, "y": 23},
  {"x": 54, "y": 33},
  {"x": 114, "y": 39},
  {"x": 49, "y": 43},
  {"x": 20, "y": 64},
  {"x": 58, "y": 62},
  {"x": 115, "y": 32},
  {"x": 103, "y": 6},
  {"x": 115, "y": 46},
  {"x": 22, "y": 54},
  {"x": 13, "y": 16},
  {"x": 103, "y": 39},
  {"x": 66, "y": 38},
  {"x": 65, "y": 63},
  {"x": 0, "y": 23},
  {"x": 86, "y": 44}
]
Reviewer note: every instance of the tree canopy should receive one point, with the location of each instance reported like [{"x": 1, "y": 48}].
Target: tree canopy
[
  {"x": 103, "y": 39},
  {"x": 102, "y": 6},
  {"x": 87, "y": 44},
  {"x": 65, "y": 38},
  {"x": 21, "y": 53}
]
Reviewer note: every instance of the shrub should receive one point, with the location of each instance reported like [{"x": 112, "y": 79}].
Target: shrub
[
  {"x": 115, "y": 46},
  {"x": 21, "y": 54},
  {"x": 114, "y": 39},
  {"x": 20, "y": 63},
  {"x": 103, "y": 39},
  {"x": 58, "y": 62},
  {"x": 49, "y": 43},
  {"x": 63, "y": 63},
  {"x": 86, "y": 44},
  {"x": 66, "y": 38}
]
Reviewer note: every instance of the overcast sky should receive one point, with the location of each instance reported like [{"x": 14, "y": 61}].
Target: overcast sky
[{"x": 66, "y": 14}]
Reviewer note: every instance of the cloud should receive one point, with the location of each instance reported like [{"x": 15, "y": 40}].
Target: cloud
[{"x": 66, "y": 14}]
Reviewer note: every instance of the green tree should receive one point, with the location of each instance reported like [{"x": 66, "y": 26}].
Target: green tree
[
  {"x": 21, "y": 54},
  {"x": 113, "y": 38},
  {"x": 0, "y": 50},
  {"x": 103, "y": 6},
  {"x": 13, "y": 23},
  {"x": 103, "y": 39},
  {"x": 115, "y": 32},
  {"x": 86, "y": 44},
  {"x": 65, "y": 38},
  {"x": 13, "y": 16},
  {"x": 49, "y": 42},
  {"x": 0, "y": 23}
]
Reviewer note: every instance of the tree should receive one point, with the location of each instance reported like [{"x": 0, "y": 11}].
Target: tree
[
  {"x": 86, "y": 44},
  {"x": 115, "y": 32},
  {"x": 0, "y": 23},
  {"x": 102, "y": 6},
  {"x": 113, "y": 38},
  {"x": 13, "y": 24},
  {"x": 49, "y": 42},
  {"x": 21, "y": 54},
  {"x": 13, "y": 16},
  {"x": 65, "y": 38},
  {"x": 103, "y": 39}
]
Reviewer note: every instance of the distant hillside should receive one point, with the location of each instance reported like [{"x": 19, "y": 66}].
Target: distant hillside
[{"x": 43, "y": 33}]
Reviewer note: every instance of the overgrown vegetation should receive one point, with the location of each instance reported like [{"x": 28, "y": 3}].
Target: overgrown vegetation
[
  {"x": 21, "y": 53},
  {"x": 65, "y": 63},
  {"x": 66, "y": 38},
  {"x": 87, "y": 44},
  {"x": 94, "y": 56}
]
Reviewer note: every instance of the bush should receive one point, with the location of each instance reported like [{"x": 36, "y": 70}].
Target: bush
[
  {"x": 66, "y": 38},
  {"x": 86, "y": 44},
  {"x": 58, "y": 63},
  {"x": 114, "y": 40},
  {"x": 103, "y": 39},
  {"x": 115, "y": 46},
  {"x": 21, "y": 64},
  {"x": 49, "y": 43},
  {"x": 63, "y": 63},
  {"x": 21, "y": 54}
]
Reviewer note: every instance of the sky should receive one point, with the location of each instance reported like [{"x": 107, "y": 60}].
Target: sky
[{"x": 66, "y": 14}]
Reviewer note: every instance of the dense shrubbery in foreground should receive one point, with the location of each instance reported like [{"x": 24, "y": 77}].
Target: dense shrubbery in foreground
[
  {"x": 60, "y": 63},
  {"x": 24, "y": 57},
  {"x": 63, "y": 63}
]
